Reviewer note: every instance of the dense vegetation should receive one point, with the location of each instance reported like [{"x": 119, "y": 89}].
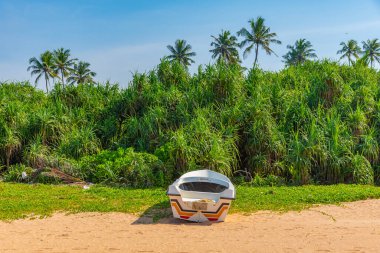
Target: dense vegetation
[{"x": 311, "y": 123}]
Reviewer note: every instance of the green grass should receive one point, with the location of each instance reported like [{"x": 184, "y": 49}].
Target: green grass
[{"x": 21, "y": 200}]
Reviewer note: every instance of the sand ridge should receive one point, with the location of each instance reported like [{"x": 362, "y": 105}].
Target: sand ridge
[{"x": 350, "y": 227}]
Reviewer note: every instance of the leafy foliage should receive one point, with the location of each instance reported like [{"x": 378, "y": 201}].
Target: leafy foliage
[
  {"x": 299, "y": 53},
  {"x": 362, "y": 170},
  {"x": 14, "y": 173},
  {"x": 225, "y": 48},
  {"x": 349, "y": 50},
  {"x": 43, "y": 67},
  {"x": 258, "y": 35},
  {"x": 59, "y": 64},
  {"x": 81, "y": 73},
  {"x": 62, "y": 63},
  {"x": 181, "y": 52},
  {"x": 123, "y": 166},
  {"x": 371, "y": 51},
  {"x": 314, "y": 122}
]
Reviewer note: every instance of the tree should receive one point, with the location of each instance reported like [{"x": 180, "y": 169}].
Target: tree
[
  {"x": 349, "y": 50},
  {"x": 225, "y": 48},
  {"x": 181, "y": 52},
  {"x": 42, "y": 67},
  {"x": 259, "y": 36},
  {"x": 299, "y": 53},
  {"x": 371, "y": 50},
  {"x": 81, "y": 73},
  {"x": 62, "y": 63}
]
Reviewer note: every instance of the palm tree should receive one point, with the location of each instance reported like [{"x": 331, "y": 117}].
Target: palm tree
[
  {"x": 81, "y": 73},
  {"x": 371, "y": 50},
  {"x": 349, "y": 49},
  {"x": 259, "y": 35},
  {"x": 62, "y": 63},
  {"x": 225, "y": 47},
  {"x": 181, "y": 52},
  {"x": 42, "y": 67},
  {"x": 299, "y": 53}
]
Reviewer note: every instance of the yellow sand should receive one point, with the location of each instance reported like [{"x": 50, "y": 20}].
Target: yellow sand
[{"x": 352, "y": 227}]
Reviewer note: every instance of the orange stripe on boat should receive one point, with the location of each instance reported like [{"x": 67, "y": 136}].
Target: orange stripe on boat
[
  {"x": 174, "y": 204},
  {"x": 216, "y": 215},
  {"x": 186, "y": 214}
]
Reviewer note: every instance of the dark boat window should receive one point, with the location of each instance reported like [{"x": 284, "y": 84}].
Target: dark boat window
[{"x": 202, "y": 187}]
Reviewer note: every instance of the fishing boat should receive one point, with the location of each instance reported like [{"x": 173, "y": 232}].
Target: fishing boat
[{"x": 201, "y": 195}]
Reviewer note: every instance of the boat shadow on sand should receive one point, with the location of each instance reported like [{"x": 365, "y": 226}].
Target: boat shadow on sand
[{"x": 160, "y": 213}]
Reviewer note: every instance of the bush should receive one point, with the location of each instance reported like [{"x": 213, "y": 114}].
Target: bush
[
  {"x": 270, "y": 180},
  {"x": 79, "y": 142},
  {"x": 14, "y": 173},
  {"x": 361, "y": 170},
  {"x": 124, "y": 167}
]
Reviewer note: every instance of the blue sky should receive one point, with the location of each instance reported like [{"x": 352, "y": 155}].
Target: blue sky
[{"x": 120, "y": 37}]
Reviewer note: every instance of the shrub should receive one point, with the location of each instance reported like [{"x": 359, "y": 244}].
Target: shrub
[
  {"x": 14, "y": 173},
  {"x": 36, "y": 154},
  {"x": 200, "y": 146},
  {"x": 270, "y": 180},
  {"x": 124, "y": 167},
  {"x": 79, "y": 142},
  {"x": 361, "y": 170}
]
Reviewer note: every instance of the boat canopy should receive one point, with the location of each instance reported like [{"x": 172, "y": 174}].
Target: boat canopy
[
  {"x": 203, "y": 184},
  {"x": 202, "y": 187}
]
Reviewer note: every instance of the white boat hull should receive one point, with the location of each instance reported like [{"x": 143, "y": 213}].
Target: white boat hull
[
  {"x": 201, "y": 196},
  {"x": 214, "y": 212}
]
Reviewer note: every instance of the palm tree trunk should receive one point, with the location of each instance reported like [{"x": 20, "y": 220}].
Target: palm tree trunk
[
  {"x": 63, "y": 81},
  {"x": 46, "y": 83},
  {"x": 256, "y": 53}
]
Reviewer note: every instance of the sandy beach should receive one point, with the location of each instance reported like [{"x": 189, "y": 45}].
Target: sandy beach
[{"x": 350, "y": 227}]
